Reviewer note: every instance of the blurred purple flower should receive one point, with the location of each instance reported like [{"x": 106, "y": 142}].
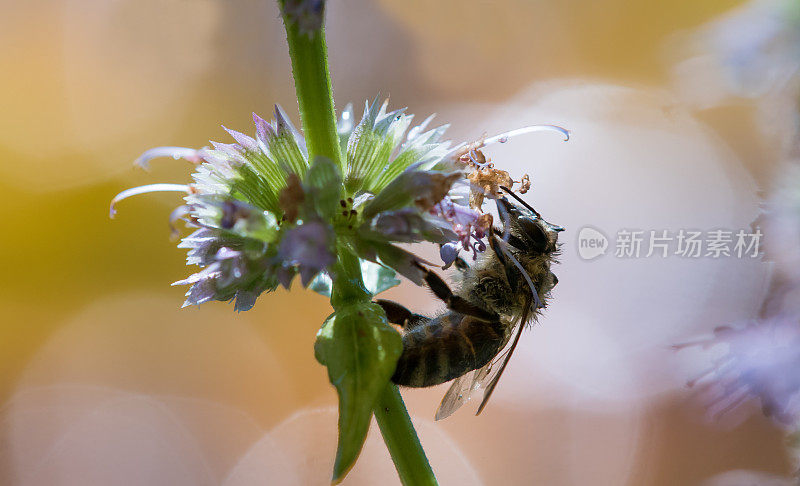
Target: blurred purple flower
[
  {"x": 756, "y": 47},
  {"x": 781, "y": 221},
  {"x": 752, "y": 51},
  {"x": 762, "y": 362}
]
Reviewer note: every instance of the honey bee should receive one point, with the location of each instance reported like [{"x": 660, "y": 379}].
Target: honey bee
[{"x": 503, "y": 290}]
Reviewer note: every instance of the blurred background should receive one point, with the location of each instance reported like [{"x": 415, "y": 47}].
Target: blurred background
[{"x": 681, "y": 115}]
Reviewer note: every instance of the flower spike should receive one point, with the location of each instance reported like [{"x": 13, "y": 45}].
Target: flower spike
[{"x": 264, "y": 213}]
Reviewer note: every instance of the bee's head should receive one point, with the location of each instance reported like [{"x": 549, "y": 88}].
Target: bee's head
[{"x": 526, "y": 223}]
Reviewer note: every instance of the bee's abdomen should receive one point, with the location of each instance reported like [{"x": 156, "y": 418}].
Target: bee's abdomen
[{"x": 445, "y": 348}]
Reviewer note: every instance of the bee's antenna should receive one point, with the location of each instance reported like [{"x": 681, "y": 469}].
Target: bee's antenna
[
  {"x": 521, "y": 201},
  {"x": 525, "y": 275}
]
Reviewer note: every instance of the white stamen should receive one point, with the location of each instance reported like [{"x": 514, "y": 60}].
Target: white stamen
[
  {"x": 473, "y": 158},
  {"x": 706, "y": 342},
  {"x": 728, "y": 402},
  {"x": 135, "y": 191},
  {"x": 696, "y": 379},
  {"x": 177, "y": 214},
  {"x": 175, "y": 152},
  {"x": 503, "y": 137}
]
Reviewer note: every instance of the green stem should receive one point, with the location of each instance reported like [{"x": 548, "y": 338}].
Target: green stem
[
  {"x": 401, "y": 439},
  {"x": 348, "y": 282},
  {"x": 390, "y": 411},
  {"x": 312, "y": 82},
  {"x": 315, "y": 98}
]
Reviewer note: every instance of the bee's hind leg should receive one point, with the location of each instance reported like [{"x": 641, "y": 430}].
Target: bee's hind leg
[
  {"x": 455, "y": 302},
  {"x": 400, "y": 315}
]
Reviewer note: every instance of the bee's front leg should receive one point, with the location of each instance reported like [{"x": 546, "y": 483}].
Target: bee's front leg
[{"x": 454, "y": 302}]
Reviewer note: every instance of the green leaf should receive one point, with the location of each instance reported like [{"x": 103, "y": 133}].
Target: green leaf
[
  {"x": 361, "y": 351},
  {"x": 377, "y": 278},
  {"x": 411, "y": 187},
  {"x": 392, "y": 256}
]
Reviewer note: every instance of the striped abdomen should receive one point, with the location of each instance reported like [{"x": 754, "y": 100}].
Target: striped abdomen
[{"x": 445, "y": 348}]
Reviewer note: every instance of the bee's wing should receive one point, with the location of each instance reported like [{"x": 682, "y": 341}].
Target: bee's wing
[
  {"x": 498, "y": 365},
  {"x": 496, "y": 374},
  {"x": 458, "y": 394},
  {"x": 465, "y": 385}
]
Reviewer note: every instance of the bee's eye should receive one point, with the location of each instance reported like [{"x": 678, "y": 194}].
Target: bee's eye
[{"x": 535, "y": 234}]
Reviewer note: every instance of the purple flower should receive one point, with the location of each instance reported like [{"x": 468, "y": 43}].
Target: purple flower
[
  {"x": 469, "y": 225},
  {"x": 310, "y": 247},
  {"x": 762, "y": 362},
  {"x": 449, "y": 253}
]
